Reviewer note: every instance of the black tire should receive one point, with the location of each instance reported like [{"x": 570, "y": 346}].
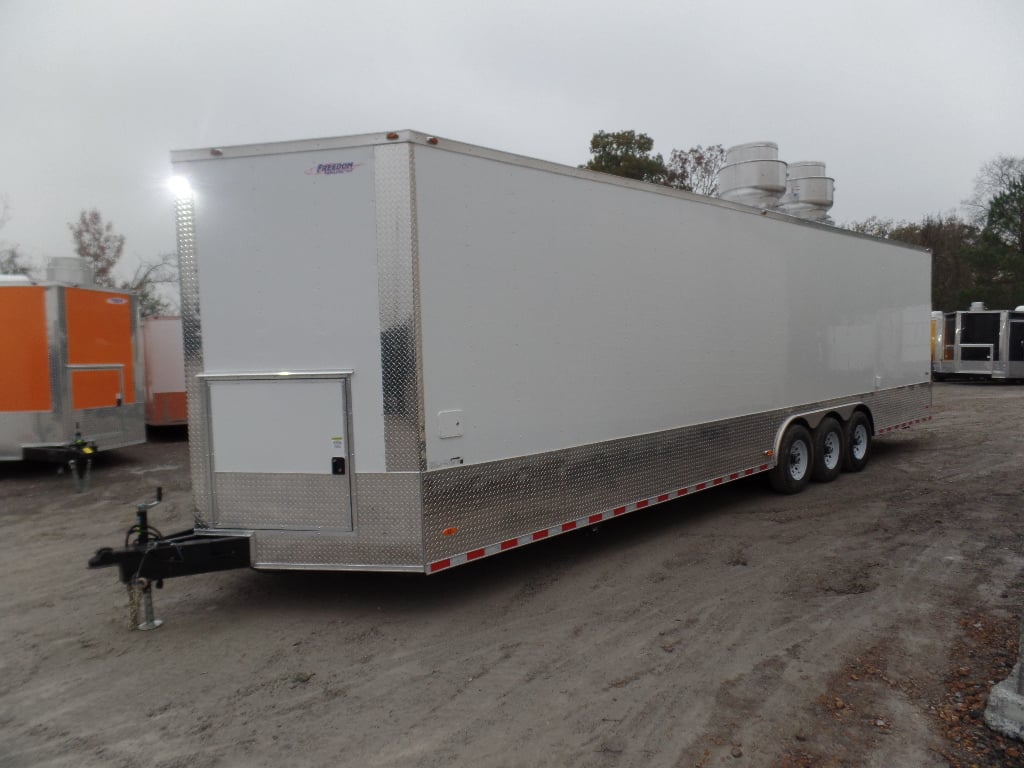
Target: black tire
[
  {"x": 796, "y": 452},
  {"x": 829, "y": 453},
  {"x": 857, "y": 443}
]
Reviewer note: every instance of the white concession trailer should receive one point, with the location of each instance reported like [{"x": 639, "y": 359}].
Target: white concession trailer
[
  {"x": 979, "y": 344},
  {"x": 405, "y": 353}
]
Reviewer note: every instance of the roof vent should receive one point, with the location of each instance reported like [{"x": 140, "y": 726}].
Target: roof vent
[
  {"x": 70, "y": 270},
  {"x": 809, "y": 192},
  {"x": 753, "y": 175}
]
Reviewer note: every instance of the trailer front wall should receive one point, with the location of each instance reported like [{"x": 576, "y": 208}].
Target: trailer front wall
[{"x": 297, "y": 265}]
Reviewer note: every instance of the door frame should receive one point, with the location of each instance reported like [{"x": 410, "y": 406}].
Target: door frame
[{"x": 343, "y": 377}]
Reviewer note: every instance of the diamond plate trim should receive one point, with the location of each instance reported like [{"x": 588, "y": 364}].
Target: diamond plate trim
[
  {"x": 506, "y": 504},
  {"x": 495, "y": 503},
  {"x": 191, "y": 330},
  {"x": 388, "y": 532},
  {"x": 282, "y": 501},
  {"x": 398, "y": 289}
]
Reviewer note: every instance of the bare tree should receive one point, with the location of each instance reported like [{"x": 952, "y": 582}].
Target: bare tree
[
  {"x": 147, "y": 280},
  {"x": 12, "y": 260},
  {"x": 993, "y": 179},
  {"x": 96, "y": 242},
  {"x": 696, "y": 169}
]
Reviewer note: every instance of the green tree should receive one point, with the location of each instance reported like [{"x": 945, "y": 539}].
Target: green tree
[
  {"x": 993, "y": 179},
  {"x": 696, "y": 169},
  {"x": 998, "y": 259},
  {"x": 626, "y": 153},
  {"x": 1005, "y": 217},
  {"x": 952, "y": 242}
]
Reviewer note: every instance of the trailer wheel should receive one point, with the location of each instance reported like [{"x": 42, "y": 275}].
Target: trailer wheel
[
  {"x": 828, "y": 451},
  {"x": 793, "y": 471},
  {"x": 858, "y": 443}
]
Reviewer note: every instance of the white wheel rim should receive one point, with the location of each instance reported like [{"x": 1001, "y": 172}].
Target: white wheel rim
[
  {"x": 859, "y": 442},
  {"x": 799, "y": 458},
  {"x": 831, "y": 447}
]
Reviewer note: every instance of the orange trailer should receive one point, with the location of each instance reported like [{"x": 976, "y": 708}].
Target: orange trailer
[{"x": 71, "y": 368}]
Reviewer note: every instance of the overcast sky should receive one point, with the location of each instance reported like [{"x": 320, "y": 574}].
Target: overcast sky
[{"x": 902, "y": 99}]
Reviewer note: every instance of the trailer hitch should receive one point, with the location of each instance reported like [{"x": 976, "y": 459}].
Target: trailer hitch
[
  {"x": 153, "y": 557},
  {"x": 76, "y": 456}
]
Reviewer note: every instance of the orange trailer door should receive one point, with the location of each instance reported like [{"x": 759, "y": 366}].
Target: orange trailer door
[
  {"x": 100, "y": 350},
  {"x": 25, "y": 372}
]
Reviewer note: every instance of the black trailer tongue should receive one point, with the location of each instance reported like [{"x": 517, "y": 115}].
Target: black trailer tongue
[{"x": 152, "y": 557}]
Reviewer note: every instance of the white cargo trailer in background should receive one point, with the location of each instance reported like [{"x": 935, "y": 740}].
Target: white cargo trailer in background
[
  {"x": 166, "y": 403},
  {"x": 407, "y": 353}
]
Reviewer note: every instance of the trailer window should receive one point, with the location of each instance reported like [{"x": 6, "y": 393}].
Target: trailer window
[{"x": 980, "y": 329}]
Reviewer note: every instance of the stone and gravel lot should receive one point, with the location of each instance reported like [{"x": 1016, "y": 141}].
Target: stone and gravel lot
[{"x": 860, "y": 623}]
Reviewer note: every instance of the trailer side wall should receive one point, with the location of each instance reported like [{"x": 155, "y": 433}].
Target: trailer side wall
[{"x": 561, "y": 311}]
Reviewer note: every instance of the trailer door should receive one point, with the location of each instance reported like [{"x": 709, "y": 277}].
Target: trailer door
[{"x": 281, "y": 454}]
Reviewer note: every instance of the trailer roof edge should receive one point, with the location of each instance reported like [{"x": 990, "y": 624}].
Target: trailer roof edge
[{"x": 425, "y": 139}]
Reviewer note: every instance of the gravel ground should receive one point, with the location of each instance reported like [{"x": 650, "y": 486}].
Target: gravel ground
[{"x": 860, "y": 623}]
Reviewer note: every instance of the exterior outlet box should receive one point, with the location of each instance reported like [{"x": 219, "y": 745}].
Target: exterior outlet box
[{"x": 450, "y": 424}]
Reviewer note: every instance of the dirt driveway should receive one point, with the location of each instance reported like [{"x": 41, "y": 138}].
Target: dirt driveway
[{"x": 857, "y": 624}]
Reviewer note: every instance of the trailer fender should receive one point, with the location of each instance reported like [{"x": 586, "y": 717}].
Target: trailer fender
[{"x": 812, "y": 419}]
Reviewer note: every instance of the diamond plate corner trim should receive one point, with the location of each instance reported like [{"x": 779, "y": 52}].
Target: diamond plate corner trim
[
  {"x": 191, "y": 329},
  {"x": 398, "y": 293}
]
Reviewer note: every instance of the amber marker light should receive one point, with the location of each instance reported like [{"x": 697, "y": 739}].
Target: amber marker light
[
  {"x": 449, "y": 531},
  {"x": 432, "y": 140},
  {"x": 392, "y": 136},
  {"x": 769, "y": 453}
]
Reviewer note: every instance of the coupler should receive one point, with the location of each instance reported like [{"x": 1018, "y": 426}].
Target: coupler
[{"x": 152, "y": 557}]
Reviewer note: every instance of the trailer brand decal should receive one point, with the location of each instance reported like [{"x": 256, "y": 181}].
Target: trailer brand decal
[
  {"x": 117, "y": 300},
  {"x": 329, "y": 169}
]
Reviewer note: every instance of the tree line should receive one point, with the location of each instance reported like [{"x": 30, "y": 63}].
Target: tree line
[{"x": 977, "y": 255}]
